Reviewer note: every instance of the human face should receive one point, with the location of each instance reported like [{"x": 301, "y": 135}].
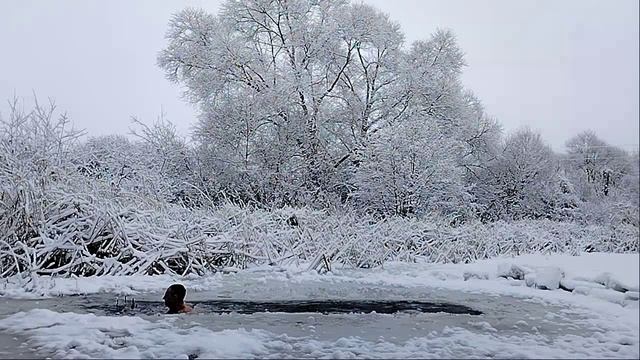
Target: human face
[{"x": 170, "y": 299}]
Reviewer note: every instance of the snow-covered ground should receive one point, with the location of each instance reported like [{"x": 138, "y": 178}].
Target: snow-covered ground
[{"x": 543, "y": 306}]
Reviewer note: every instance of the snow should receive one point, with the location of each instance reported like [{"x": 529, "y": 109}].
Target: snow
[
  {"x": 597, "y": 275},
  {"x": 508, "y": 270},
  {"x": 586, "y": 310},
  {"x": 72, "y": 335},
  {"x": 87, "y": 335},
  {"x": 38, "y": 286},
  {"x": 603, "y": 268},
  {"x": 546, "y": 278},
  {"x": 615, "y": 271}
]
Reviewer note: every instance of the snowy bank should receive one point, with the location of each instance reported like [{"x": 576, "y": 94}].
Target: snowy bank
[
  {"x": 610, "y": 277},
  {"x": 76, "y": 335},
  {"x": 86, "y": 335},
  {"x": 600, "y": 322},
  {"x": 618, "y": 272}
]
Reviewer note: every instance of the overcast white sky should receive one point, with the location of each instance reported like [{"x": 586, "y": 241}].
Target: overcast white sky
[{"x": 559, "y": 67}]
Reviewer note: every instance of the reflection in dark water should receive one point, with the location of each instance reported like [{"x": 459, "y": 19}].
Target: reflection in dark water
[{"x": 131, "y": 307}]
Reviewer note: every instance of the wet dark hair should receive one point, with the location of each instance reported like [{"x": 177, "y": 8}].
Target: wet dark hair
[{"x": 179, "y": 290}]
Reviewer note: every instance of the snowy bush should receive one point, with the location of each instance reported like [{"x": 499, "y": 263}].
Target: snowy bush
[
  {"x": 84, "y": 236},
  {"x": 105, "y": 207}
]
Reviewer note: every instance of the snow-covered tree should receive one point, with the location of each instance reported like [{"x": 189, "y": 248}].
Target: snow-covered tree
[
  {"x": 291, "y": 92},
  {"x": 604, "y": 178},
  {"x": 598, "y": 165},
  {"x": 522, "y": 182},
  {"x": 410, "y": 168},
  {"x": 285, "y": 57}
]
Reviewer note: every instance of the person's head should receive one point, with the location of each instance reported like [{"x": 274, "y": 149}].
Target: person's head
[{"x": 174, "y": 297}]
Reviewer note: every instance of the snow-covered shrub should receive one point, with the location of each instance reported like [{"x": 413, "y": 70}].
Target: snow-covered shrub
[
  {"x": 85, "y": 236},
  {"x": 521, "y": 182},
  {"x": 34, "y": 148},
  {"x": 410, "y": 169},
  {"x": 107, "y": 206}
]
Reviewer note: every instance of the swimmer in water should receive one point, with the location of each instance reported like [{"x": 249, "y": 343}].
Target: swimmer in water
[{"x": 174, "y": 300}]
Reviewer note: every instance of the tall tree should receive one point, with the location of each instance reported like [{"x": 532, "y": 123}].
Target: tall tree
[
  {"x": 599, "y": 166},
  {"x": 292, "y": 93}
]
